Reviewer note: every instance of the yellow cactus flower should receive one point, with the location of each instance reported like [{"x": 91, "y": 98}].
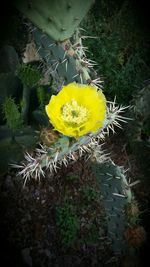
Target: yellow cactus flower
[{"x": 77, "y": 110}]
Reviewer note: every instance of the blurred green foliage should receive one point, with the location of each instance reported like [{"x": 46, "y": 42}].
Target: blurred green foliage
[
  {"x": 29, "y": 75},
  {"x": 68, "y": 224},
  {"x": 121, "y": 48},
  {"x": 89, "y": 194},
  {"x": 12, "y": 114}
]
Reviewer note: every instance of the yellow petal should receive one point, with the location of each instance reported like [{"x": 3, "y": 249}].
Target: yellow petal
[{"x": 87, "y": 98}]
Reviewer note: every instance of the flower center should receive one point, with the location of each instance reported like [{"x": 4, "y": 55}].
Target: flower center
[{"x": 73, "y": 113}]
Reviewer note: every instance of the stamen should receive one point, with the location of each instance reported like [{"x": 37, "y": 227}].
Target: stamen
[{"x": 73, "y": 113}]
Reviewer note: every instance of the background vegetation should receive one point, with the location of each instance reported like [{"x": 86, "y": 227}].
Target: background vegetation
[{"x": 121, "y": 46}]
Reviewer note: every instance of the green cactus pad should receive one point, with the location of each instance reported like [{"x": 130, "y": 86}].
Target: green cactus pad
[
  {"x": 116, "y": 194},
  {"x": 58, "y": 19},
  {"x": 62, "y": 68},
  {"x": 13, "y": 151}
]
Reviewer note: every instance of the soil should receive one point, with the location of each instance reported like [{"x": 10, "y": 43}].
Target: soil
[{"x": 29, "y": 224}]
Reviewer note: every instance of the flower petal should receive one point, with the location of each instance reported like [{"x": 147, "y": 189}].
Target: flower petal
[{"x": 86, "y": 97}]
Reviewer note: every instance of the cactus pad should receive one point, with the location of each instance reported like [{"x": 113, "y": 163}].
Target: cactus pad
[
  {"x": 116, "y": 194},
  {"x": 58, "y": 19}
]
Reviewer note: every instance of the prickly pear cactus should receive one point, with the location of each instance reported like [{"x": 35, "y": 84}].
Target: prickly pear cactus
[
  {"x": 60, "y": 65},
  {"x": 116, "y": 194},
  {"x": 58, "y": 19},
  {"x": 66, "y": 61},
  {"x": 12, "y": 151}
]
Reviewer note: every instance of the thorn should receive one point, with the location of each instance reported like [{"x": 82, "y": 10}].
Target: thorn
[
  {"x": 126, "y": 170},
  {"x": 64, "y": 160},
  {"x": 81, "y": 29},
  {"x": 117, "y": 177},
  {"x": 119, "y": 195},
  {"x": 109, "y": 174},
  {"x": 81, "y": 78},
  {"x": 75, "y": 76},
  {"x": 91, "y": 37},
  {"x": 64, "y": 60},
  {"x": 54, "y": 166},
  {"x": 66, "y": 65},
  {"x": 65, "y": 53},
  {"x": 25, "y": 180},
  {"x": 132, "y": 184},
  {"x": 56, "y": 156},
  {"x": 16, "y": 166},
  {"x": 53, "y": 44}
]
